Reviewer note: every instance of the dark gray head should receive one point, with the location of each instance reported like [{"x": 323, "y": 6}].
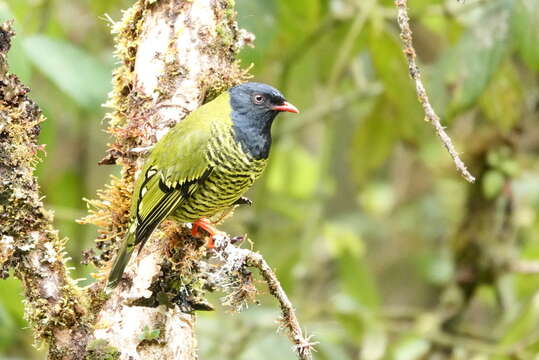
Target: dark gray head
[{"x": 254, "y": 106}]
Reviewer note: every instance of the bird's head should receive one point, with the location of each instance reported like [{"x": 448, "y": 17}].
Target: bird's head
[
  {"x": 259, "y": 102},
  {"x": 254, "y": 107}
]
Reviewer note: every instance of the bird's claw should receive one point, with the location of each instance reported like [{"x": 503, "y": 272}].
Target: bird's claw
[{"x": 209, "y": 228}]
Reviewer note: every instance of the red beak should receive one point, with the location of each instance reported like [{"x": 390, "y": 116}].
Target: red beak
[{"x": 286, "y": 106}]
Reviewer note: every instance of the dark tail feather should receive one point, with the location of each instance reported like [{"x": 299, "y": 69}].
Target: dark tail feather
[{"x": 121, "y": 261}]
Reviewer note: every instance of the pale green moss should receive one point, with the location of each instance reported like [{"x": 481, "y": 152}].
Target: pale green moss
[{"x": 100, "y": 349}]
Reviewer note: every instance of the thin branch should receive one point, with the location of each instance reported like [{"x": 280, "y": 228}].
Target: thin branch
[
  {"x": 234, "y": 261},
  {"x": 303, "y": 345},
  {"x": 345, "y": 50},
  {"x": 430, "y": 114},
  {"x": 529, "y": 267}
]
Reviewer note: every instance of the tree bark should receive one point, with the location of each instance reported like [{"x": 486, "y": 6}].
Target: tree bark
[{"x": 29, "y": 245}]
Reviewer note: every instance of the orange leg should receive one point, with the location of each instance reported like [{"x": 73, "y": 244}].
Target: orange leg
[{"x": 205, "y": 224}]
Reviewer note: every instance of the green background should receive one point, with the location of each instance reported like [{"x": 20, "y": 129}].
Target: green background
[{"x": 361, "y": 211}]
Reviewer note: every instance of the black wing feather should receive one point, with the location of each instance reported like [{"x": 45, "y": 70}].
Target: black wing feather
[{"x": 171, "y": 199}]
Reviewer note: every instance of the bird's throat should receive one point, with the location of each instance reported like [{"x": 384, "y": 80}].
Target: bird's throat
[{"x": 254, "y": 137}]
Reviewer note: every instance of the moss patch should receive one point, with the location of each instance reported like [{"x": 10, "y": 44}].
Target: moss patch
[{"x": 100, "y": 349}]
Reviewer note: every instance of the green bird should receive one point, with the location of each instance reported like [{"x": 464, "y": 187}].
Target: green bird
[{"x": 203, "y": 165}]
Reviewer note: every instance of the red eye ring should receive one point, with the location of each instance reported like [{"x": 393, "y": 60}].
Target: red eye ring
[{"x": 258, "y": 99}]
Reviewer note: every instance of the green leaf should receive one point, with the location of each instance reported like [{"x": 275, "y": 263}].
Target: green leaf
[
  {"x": 437, "y": 268},
  {"x": 354, "y": 275},
  {"x": 16, "y": 10},
  {"x": 293, "y": 172},
  {"x": 342, "y": 239},
  {"x": 410, "y": 348},
  {"x": 524, "y": 325},
  {"x": 377, "y": 198},
  {"x": 525, "y": 25},
  {"x": 358, "y": 281},
  {"x": 373, "y": 141},
  {"x": 399, "y": 92},
  {"x": 296, "y": 19},
  {"x": 148, "y": 334},
  {"x": 257, "y": 17},
  {"x": 465, "y": 70},
  {"x": 510, "y": 167},
  {"x": 492, "y": 183},
  {"x": 503, "y": 100},
  {"x": 74, "y": 71}
]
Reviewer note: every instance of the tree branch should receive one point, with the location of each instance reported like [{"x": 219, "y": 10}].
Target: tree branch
[
  {"x": 430, "y": 114},
  {"x": 234, "y": 262},
  {"x": 54, "y": 305},
  {"x": 529, "y": 267}
]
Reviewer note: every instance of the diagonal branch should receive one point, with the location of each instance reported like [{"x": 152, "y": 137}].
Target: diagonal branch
[
  {"x": 430, "y": 114},
  {"x": 235, "y": 260}
]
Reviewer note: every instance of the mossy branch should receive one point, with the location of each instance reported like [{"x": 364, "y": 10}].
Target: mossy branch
[{"x": 29, "y": 245}]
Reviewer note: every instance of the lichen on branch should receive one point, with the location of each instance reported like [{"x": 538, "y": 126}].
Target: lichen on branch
[
  {"x": 29, "y": 245},
  {"x": 415, "y": 74}
]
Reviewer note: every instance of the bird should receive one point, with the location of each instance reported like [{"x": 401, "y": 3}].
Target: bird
[{"x": 202, "y": 166}]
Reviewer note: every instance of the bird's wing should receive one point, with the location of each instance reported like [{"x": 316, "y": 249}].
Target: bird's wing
[
  {"x": 173, "y": 171},
  {"x": 175, "y": 168}
]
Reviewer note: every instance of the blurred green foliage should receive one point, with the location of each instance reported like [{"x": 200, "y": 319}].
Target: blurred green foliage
[{"x": 360, "y": 205}]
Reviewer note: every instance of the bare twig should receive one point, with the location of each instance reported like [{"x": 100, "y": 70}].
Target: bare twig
[
  {"x": 525, "y": 267},
  {"x": 303, "y": 345},
  {"x": 406, "y": 36},
  {"x": 234, "y": 261}
]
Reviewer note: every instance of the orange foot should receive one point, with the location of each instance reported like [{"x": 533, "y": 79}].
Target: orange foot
[{"x": 205, "y": 224}]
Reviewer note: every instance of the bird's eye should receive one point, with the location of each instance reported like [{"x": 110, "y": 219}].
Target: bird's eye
[{"x": 258, "y": 99}]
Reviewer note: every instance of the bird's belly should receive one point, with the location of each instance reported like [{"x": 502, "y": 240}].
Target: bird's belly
[{"x": 218, "y": 192}]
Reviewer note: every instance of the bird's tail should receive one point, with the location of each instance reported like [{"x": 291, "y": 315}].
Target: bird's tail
[{"x": 121, "y": 261}]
